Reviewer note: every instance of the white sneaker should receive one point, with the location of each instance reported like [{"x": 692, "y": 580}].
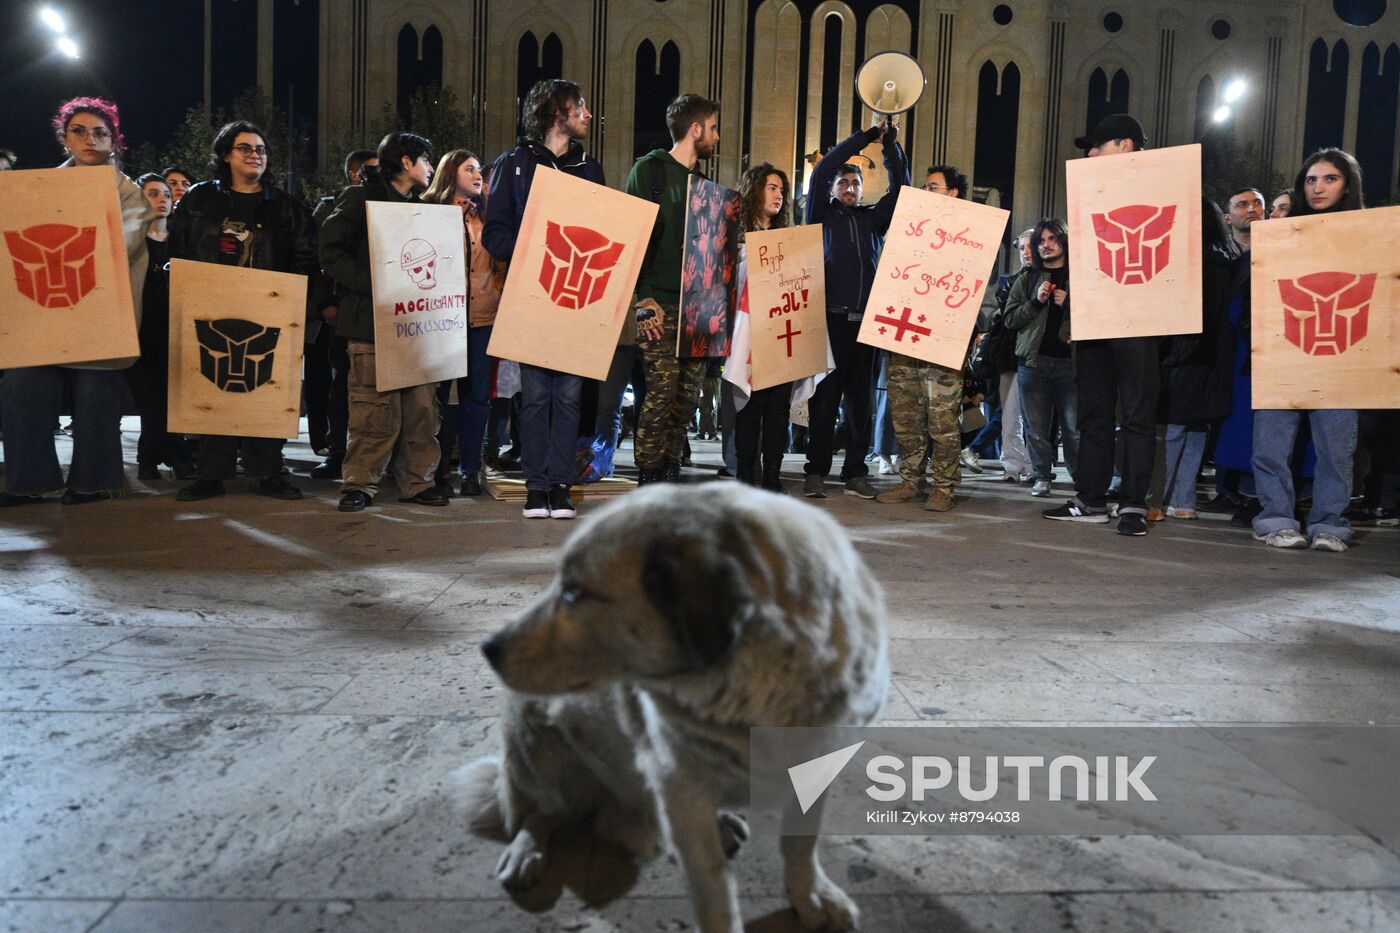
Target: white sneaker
[
  {"x": 1324, "y": 541},
  {"x": 968, "y": 458},
  {"x": 1041, "y": 488},
  {"x": 1286, "y": 538},
  {"x": 888, "y": 466}
]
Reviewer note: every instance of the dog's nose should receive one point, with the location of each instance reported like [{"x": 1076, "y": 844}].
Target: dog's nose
[{"x": 492, "y": 649}]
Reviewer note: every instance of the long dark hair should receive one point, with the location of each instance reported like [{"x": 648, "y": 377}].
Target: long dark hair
[
  {"x": 1352, "y": 197},
  {"x": 752, "y": 195},
  {"x": 1057, "y": 229},
  {"x": 223, "y": 148},
  {"x": 545, "y": 102},
  {"x": 1214, "y": 233},
  {"x": 444, "y": 186}
]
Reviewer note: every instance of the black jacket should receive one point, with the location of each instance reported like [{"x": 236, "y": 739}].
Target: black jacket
[
  {"x": 511, "y": 178},
  {"x": 345, "y": 255},
  {"x": 1197, "y": 369}
]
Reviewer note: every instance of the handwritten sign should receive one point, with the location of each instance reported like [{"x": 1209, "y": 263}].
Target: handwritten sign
[
  {"x": 938, "y": 258},
  {"x": 787, "y": 304},
  {"x": 1325, "y": 310},
  {"x": 1135, "y": 243}
]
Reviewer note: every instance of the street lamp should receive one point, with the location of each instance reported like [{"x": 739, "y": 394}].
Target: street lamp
[
  {"x": 53, "y": 20},
  {"x": 1221, "y": 114},
  {"x": 1234, "y": 91},
  {"x": 67, "y": 46}
]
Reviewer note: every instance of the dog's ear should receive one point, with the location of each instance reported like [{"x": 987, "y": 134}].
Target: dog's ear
[{"x": 701, "y": 589}]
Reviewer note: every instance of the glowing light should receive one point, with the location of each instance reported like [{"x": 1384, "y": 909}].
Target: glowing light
[
  {"x": 67, "y": 46},
  {"x": 1234, "y": 91},
  {"x": 52, "y": 20},
  {"x": 1221, "y": 114}
]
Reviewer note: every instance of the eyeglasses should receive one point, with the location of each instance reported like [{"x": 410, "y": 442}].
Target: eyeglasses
[
  {"x": 97, "y": 132},
  {"x": 937, "y": 188},
  {"x": 246, "y": 150}
]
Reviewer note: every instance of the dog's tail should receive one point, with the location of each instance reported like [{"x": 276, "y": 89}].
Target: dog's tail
[{"x": 483, "y": 784}]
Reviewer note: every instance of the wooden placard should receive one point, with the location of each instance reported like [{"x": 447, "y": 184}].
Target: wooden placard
[
  {"x": 65, "y": 284},
  {"x": 938, "y": 258},
  {"x": 235, "y": 350},
  {"x": 708, "y": 267},
  {"x": 1325, "y": 310},
  {"x": 1135, "y": 244},
  {"x": 418, "y": 275},
  {"x": 787, "y": 304},
  {"x": 577, "y": 258}
]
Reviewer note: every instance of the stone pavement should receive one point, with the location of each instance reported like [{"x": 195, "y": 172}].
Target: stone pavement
[{"x": 248, "y": 715}]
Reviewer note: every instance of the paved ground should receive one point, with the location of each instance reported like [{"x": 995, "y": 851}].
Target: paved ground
[{"x": 245, "y": 715}]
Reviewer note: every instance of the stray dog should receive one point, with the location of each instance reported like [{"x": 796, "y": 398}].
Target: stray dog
[{"x": 680, "y": 618}]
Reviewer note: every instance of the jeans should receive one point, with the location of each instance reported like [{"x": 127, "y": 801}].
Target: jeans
[
  {"x": 1015, "y": 459},
  {"x": 474, "y": 400},
  {"x": 852, "y": 382},
  {"x": 1185, "y": 449},
  {"x": 1108, "y": 374},
  {"x": 548, "y": 426},
  {"x": 1045, "y": 389},
  {"x": 1334, "y": 439},
  {"x": 30, "y": 400}
]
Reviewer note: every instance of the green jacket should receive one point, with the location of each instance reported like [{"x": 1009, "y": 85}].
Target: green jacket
[
  {"x": 1026, "y": 316},
  {"x": 660, "y": 278},
  {"x": 345, "y": 256}
]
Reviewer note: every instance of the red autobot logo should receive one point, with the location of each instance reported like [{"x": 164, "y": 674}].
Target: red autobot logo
[
  {"x": 54, "y": 264},
  {"x": 577, "y": 264},
  {"x": 1134, "y": 242},
  {"x": 1325, "y": 313}
]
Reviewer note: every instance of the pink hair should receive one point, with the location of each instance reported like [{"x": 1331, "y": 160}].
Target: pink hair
[{"x": 97, "y": 106}]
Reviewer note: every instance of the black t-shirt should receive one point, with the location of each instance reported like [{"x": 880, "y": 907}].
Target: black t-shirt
[
  {"x": 236, "y": 240},
  {"x": 155, "y": 298},
  {"x": 1052, "y": 343}
]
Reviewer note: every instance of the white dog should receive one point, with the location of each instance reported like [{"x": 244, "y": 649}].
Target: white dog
[{"x": 680, "y": 618}]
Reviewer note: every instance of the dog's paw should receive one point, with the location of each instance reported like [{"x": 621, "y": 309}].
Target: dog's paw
[
  {"x": 520, "y": 865},
  {"x": 825, "y": 907},
  {"x": 733, "y": 832}
]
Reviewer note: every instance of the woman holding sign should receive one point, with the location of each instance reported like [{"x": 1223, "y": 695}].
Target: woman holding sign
[{"x": 89, "y": 129}]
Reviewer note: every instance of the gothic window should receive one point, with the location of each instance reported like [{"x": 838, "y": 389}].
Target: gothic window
[
  {"x": 419, "y": 66},
  {"x": 535, "y": 62},
  {"x": 1375, "y": 120},
  {"x": 1106, "y": 96},
  {"x": 998, "y": 112},
  {"x": 658, "y": 82},
  {"x": 1327, "y": 97}
]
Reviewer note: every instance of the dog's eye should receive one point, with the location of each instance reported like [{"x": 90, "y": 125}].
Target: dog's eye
[{"x": 571, "y": 593}]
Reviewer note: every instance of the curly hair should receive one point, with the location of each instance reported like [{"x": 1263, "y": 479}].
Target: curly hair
[
  {"x": 103, "y": 109},
  {"x": 752, "y": 194},
  {"x": 545, "y": 103}
]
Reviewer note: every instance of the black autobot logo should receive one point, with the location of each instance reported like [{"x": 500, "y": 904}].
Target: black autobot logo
[{"x": 234, "y": 354}]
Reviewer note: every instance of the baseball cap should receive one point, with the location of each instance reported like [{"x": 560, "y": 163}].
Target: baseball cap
[{"x": 1113, "y": 126}]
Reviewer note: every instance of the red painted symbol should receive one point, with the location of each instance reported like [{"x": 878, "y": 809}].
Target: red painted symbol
[
  {"x": 1134, "y": 242},
  {"x": 418, "y": 259},
  {"x": 577, "y": 264},
  {"x": 54, "y": 265},
  {"x": 903, "y": 324},
  {"x": 788, "y": 335},
  {"x": 1326, "y": 312}
]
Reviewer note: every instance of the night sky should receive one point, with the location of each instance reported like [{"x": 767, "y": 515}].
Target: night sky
[{"x": 147, "y": 55}]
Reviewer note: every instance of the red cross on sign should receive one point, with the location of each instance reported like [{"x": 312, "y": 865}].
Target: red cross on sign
[
  {"x": 902, "y": 324},
  {"x": 788, "y": 335}
]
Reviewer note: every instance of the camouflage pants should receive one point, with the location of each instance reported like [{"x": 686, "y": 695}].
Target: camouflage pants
[
  {"x": 925, "y": 401},
  {"x": 673, "y": 391}
]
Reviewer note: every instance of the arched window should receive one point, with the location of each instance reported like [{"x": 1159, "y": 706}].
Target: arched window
[
  {"x": 1205, "y": 104},
  {"x": 1106, "y": 96},
  {"x": 418, "y": 66},
  {"x": 998, "y": 113},
  {"x": 1325, "y": 116},
  {"x": 1375, "y": 120},
  {"x": 535, "y": 62},
  {"x": 658, "y": 82},
  {"x": 831, "y": 131}
]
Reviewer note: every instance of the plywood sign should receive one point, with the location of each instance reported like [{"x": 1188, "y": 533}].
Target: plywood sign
[
  {"x": 1135, "y": 243},
  {"x": 787, "y": 304},
  {"x": 576, "y": 262},
  {"x": 236, "y": 340},
  {"x": 708, "y": 267},
  {"x": 65, "y": 285},
  {"x": 1325, "y": 312},
  {"x": 939, "y": 255},
  {"x": 418, "y": 274}
]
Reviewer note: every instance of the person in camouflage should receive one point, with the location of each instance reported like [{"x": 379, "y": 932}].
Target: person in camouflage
[
  {"x": 665, "y": 411},
  {"x": 926, "y": 400}
]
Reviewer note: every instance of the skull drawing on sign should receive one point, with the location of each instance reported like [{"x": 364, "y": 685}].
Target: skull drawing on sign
[
  {"x": 419, "y": 260},
  {"x": 1326, "y": 312},
  {"x": 577, "y": 264},
  {"x": 54, "y": 265},
  {"x": 1134, "y": 242},
  {"x": 234, "y": 354}
]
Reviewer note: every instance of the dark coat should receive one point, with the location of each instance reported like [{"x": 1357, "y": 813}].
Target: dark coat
[
  {"x": 1197, "y": 368},
  {"x": 285, "y": 240},
  {"x": 345, "y": 255},
  {"x": 511, "y": 178}
]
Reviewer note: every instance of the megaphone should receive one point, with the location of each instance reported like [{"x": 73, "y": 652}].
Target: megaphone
[{"x": 890, "y": 82}]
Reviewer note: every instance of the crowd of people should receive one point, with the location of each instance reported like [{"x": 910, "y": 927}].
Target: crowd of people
[{"x": 1132, "y": 421}]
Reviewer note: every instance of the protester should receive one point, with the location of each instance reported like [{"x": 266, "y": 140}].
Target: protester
[
  {"x": 1015, "y": 457},
  {"x": 179, "y": 181},
  {"x": 672, "y": 383},
  {"x": 1329, "y": 182},
  {"x": 1282, "y": 205},
  {"x": 1245, "y": 207},
  {"x": 852, "y": 235},
  {"x": 926, "y": 401},
  {"x": 556, "y": 120},
  {"x": 1038, "y": 311},
  {"x": 239, "y": 218},
  {"x": 89, "y": 130},
  {"x": 458, "y": 181}
]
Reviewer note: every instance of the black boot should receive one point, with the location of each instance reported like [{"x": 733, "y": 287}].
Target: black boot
[
  {"x": 772, "y": 479},
  {"x": 671, "y": 473},
  {"x": 647, "y": 477}
]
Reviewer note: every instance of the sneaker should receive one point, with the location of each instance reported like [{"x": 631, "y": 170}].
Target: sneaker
[
  {"x": 536, "y": 504},
  {"x": 859, "y": 486},
  {"x": 1324, "y": 541},
  {"x": 1075, "y": 511},
  {"x": 1378, "y": 517},
  {"x": 904, "y": 492},
  {"x": 327, "y": 469},
  {"x": 1244, "y": 516},
  {"x": 1219, "y": 505},
  {"x": 560, "y": 505},
  {"x": 968, "y": 458},
  {"x": 1186, "y": 515},
  {"x": 275, "y": 487},
  {"x": 71, "y": 497},
  {"x": 200, "y": 489},
  {"x": 471, "y": 485},
  {"x": 887, "y": 466},
  {"x": 1132, "y": 523},
  {"x": 1041, "y": 488},
  {"x": 812, "y": 486},
  {"x": 430, "y": 496},
  {"x": 1283, "y": 538},
  {"x": 940, "y": 500},
  {"x": 355, "y": 501}
]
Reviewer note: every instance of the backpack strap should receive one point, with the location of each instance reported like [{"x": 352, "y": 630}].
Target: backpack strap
[{"x": 658, "y": 179}]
